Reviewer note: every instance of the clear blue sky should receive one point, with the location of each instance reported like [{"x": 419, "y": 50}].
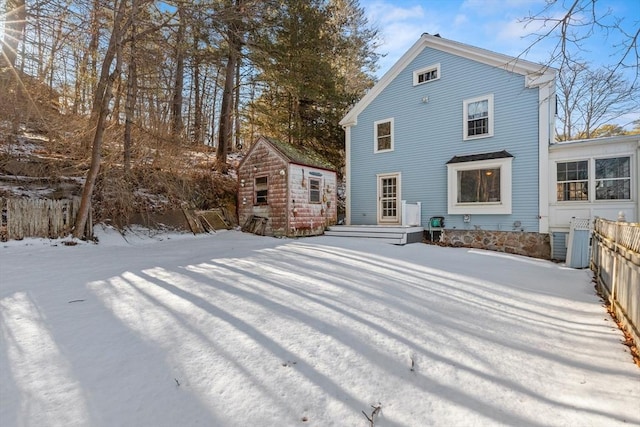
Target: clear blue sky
[{"x": 490, "y": 24}]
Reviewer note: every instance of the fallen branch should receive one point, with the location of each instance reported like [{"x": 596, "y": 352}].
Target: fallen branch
[{"x": 374, "y": 413}]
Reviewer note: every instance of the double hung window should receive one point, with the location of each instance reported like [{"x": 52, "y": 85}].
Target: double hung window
[
  {"x": 478, "y": 117},
  {"x": 383, "y": 135},
  {"x": 594, "y": 179},
  {"x": 613, "y": 178},
  {"x": 573, "y": 180}
]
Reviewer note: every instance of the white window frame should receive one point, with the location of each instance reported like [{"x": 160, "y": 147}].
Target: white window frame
[
  {"x": 417, "y": 73},
  {"x": 465, "y": 121},
  {"x": 593, "y": 181},
  {"x": 375, "y": 136},
  {"x": 589, "y": 179},
  {"x": 501, "y": 207},
  {"x": 596, "y": 179}
]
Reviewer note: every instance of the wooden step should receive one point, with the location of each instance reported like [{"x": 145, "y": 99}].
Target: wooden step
[{"x": 397, "y": 235}]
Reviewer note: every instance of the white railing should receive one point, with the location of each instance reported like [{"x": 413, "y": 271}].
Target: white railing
[{"x": 411, "y": 213}]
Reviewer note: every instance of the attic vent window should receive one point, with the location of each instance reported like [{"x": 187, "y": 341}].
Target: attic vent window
[{"x": 426, "y": 75}]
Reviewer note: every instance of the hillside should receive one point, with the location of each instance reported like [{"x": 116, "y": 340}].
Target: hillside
[{"x": 44, "y": 154}]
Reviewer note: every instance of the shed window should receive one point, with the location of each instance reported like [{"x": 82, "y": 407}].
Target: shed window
[
  {"x": 314, "y": 190},
  {"x": 261, "y": 190}
]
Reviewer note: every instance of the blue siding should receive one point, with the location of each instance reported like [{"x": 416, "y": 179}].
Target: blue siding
[
  {"x": 559, "y": 245},
  {"x": 428, "y": 135}
]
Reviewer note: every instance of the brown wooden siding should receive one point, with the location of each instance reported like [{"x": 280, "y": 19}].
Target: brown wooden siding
[
  {"x": 288, "y": 209},
  {"x": 263, "y": 161}
]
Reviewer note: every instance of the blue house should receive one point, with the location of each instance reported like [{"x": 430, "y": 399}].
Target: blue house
[{"x": 465, "y": 132}]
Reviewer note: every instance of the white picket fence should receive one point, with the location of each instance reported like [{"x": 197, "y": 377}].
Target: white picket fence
[{"x": 615, "y": 260}]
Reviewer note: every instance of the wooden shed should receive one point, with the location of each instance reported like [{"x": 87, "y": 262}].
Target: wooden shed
[{"x": 285, "y": 191}]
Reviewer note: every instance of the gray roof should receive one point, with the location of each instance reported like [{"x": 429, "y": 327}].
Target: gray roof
[{"x": 484, "y": 156}]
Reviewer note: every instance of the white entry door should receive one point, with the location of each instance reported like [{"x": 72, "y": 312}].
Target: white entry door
[{"x": 389, "y": 198}]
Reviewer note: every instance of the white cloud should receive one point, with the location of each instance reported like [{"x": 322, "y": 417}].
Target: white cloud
[
  {"x": 399, "y": 27},
  {"x": 388, "y": 13},
  {"x": 500, "y": 7},
  {"x": 460, "y": 20}
]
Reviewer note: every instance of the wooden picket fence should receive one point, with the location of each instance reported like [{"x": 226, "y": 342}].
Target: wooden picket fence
[
  {"x": 615, "y": 260},
  {"x": 38, "y": 218}
]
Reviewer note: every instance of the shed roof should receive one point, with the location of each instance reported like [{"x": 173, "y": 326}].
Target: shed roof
[{"x": 298, "y": 155}]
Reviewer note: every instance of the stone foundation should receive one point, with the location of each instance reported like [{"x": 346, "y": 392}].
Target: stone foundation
[{"x": 535, "y": 245}]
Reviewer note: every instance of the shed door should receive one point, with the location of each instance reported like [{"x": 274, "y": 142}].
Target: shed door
[{"x": 389, "y": 198}]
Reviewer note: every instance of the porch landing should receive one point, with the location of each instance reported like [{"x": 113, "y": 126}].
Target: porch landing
[{"x": 396, "y": 234}]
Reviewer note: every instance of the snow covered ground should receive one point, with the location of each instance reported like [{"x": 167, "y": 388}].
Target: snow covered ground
[{"x": 234, "y": 329}]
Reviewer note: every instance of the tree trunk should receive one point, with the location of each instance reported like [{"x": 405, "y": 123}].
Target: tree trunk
[
  {"x": 197, "y": 113},
  {"x": 225, "y": 134},
  {"x": 236, "y": 109},
  {"x": 226, "y": 113},
  {"x": 132, "y": 91},
  {"x": 100, "y": 111},
  {"x": 177, "y": 125}
]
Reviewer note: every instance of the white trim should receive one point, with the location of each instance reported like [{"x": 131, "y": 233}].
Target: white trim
[
  {"x": 594, "y": 161},
  {"x": 397, "y": 176},
  {"x": 546, "y": 131},
  {"x": 592, "y": 181},
  {"x": 423, "y": 70},
  {"x": 347, "y": 175},
  {"x": 591, "y": 149},
  {"x": 375, "y": 135},
  {"x": 465, "y": 118},
  {"x": 537, "y": 74},
  {"x": 502, "y": 207},
  {"x": 554, "y": 181}
]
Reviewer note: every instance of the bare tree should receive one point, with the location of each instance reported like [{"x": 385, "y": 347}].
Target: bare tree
[
  {"x": 590, "y": 98},
  {"x": 101, "y": 101},
  {"x": 578, "y": 21},
  {"x": 234, "y": 38},
  {"x": 177, "y": 125}
]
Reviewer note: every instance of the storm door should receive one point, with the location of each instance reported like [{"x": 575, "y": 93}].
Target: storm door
[{"x": 389, "y": 198}]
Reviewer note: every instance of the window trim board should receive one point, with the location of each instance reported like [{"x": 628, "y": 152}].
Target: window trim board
[
  {"x": 465, "y": 117},
  {"x": 423, "y": 70},
  {"x": 502, "y": 208},
  {"x": 375, "y": 135}
]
